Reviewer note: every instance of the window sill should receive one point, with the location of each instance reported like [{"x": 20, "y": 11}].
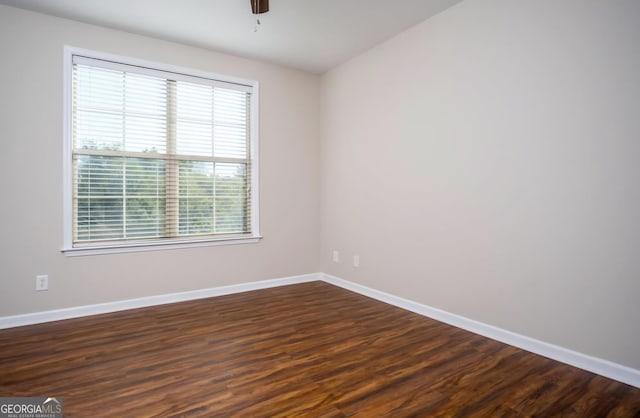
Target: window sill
[{"x": 156, "y": 246}]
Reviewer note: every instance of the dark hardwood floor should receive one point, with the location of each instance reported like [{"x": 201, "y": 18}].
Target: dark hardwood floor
[{"x": 303, "y": 350}]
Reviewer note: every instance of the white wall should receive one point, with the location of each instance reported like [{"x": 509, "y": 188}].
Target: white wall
[
  {"x": 486, "y": 162},
  {"x": 31, "y": 50}
]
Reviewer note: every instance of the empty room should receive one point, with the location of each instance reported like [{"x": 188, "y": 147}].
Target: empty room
[{"x": 335, "y": 208}]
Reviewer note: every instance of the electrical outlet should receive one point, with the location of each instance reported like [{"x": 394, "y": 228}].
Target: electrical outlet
[
  {"x": 356, "y": 261},
  {"x": 336, "y": 256},
  {"x": 42, "y": 282}
]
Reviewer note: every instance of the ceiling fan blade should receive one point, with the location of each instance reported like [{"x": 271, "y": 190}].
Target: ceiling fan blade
[{"x": 259, "y": 6}]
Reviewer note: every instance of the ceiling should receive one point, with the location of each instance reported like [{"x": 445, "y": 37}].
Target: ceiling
[{"x": 308, "y": 35}]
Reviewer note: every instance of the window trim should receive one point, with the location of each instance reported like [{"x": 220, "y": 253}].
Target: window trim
[{"x": 158, "y": 244}]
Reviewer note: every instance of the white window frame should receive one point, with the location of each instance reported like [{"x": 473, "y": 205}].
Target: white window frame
[{"x": 161, "y": 244}]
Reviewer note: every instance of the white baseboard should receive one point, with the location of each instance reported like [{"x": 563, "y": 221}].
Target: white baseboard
[
  {"x": 75, "y": 312},
  {"x": 593, "y": 364},
  {"x": 583, "y": 361}
]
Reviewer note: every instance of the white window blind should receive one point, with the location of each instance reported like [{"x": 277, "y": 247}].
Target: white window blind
[{"x": 157, "y": 156}]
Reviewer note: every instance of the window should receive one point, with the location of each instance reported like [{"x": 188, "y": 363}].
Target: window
[{"x": 157, "y": 156}]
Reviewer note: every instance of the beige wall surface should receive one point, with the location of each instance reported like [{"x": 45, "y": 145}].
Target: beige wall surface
[
  {"x": 486, "y": 162},
  {"x": 31, "y": 74}
]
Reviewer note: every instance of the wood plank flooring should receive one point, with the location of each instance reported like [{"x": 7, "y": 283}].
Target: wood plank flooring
[{"x": 304, "y": 350}]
